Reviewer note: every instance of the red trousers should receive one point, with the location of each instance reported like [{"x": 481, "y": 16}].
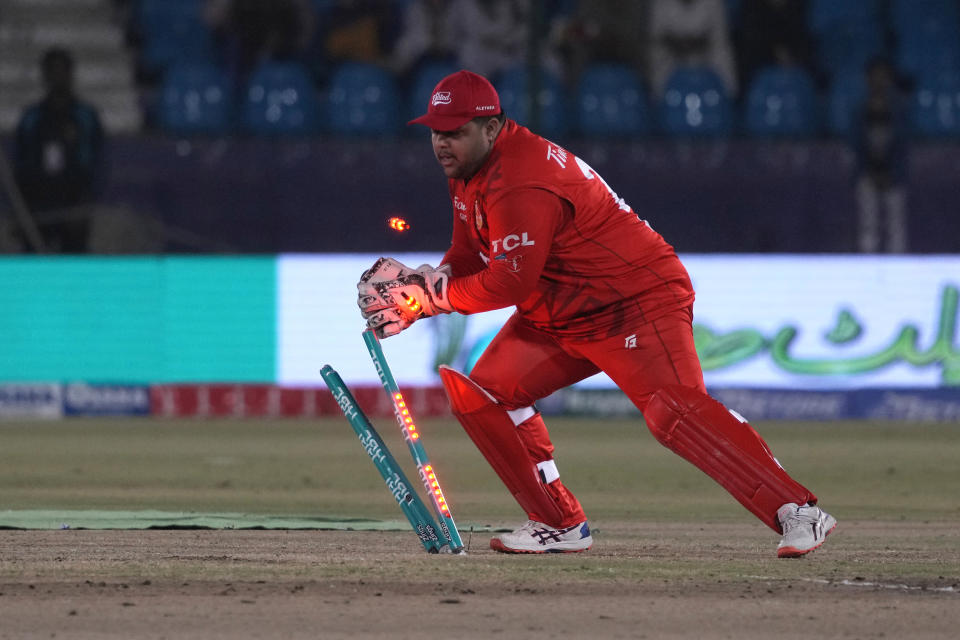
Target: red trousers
[{"x": 523, "y": 364}]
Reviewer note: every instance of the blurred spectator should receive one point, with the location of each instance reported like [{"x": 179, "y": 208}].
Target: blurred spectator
[
  {"x": 355, "y": 30},
  {"x": 428, "y": 32},
  {"x": 250, "y": 31},
  {"x": 603, "y": 31},
  {"x": 689, "y": 33},
  {"x": 58, "y": 160},
  {"x": 773, "y": 32},
  {"x": 493, "y": 35},
  {"x": 880, "y": 144}
]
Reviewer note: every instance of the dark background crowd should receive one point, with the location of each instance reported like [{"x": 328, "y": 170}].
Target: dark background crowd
[{"x": 841, "y": 100}]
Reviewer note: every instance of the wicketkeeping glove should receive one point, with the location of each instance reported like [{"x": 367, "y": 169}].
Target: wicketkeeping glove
[
  {"x": 388, "y": 322},
  {"x": 384, "y": 269},
  {"x": 419, "y": 294},
  {"x": 381, "y": 312}
]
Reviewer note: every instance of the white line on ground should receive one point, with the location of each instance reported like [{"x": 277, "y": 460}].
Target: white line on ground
[{"x": 864, "y": 583}]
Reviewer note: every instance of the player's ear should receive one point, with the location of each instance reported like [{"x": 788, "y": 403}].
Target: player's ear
[{"x": 492, "y": 127}]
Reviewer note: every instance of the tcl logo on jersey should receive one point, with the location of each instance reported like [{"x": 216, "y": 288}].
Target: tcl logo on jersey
[{"x": 511, "y": 242}]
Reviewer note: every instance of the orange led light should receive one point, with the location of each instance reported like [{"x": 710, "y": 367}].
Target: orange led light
[
  {"x": 412, "y": 304},
  {"x": 398, "y": 224}
]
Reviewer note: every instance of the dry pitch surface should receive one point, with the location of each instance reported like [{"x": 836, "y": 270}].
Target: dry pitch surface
[
  {"x": 640, "y": 581},
  {"x": 673, "y": 557}
]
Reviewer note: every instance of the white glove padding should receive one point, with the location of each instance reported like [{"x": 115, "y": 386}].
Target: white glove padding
[
  {"x": 384, "y": 269},
  {"x": 419, "y": 294},
  {"x": 388, "y": 322},
  {"x": 384, "y": 317},
  {"x": 387, "y": 269},
  {"x": 425, "y": 268}
]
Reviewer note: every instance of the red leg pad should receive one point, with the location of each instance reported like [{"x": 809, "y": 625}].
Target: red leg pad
[
  {"x": 492, "y": 430},
  {"x": 705, "y": 433}
]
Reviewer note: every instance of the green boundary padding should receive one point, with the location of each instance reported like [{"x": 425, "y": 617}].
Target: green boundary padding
[
  {"x": 38, "y": 519},
  {"x": 30, "y": 519}
]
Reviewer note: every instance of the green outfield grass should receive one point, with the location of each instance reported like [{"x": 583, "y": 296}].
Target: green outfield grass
[{"x": 861, "y": 470}]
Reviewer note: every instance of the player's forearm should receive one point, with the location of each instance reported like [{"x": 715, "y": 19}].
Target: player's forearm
[
  {"x": 463, "y": 262},
  {"x": 493, "y": 288}
]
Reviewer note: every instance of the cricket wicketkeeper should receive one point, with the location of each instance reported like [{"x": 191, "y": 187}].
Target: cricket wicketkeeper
[{"x": 596, "y": 289}]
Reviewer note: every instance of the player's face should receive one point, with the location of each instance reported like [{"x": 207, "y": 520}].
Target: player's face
[{"x": 461, "y": 152}]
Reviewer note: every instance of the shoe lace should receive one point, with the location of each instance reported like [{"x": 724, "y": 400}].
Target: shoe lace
[
  {"x": 530, "y": 526},
  {"x": 800, "y": 518},
  {"x": 789, "y": 524}
]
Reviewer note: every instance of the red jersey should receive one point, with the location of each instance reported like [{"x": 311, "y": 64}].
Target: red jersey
[{"x": 536, "y": 227}]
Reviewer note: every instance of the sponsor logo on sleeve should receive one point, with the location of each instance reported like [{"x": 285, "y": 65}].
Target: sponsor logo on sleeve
[
  {"x": 513, "y": 262},
  {"x": 511, "y": 242}
]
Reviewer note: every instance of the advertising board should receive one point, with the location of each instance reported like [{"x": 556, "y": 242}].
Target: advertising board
[{"x": 762, "y": 322}]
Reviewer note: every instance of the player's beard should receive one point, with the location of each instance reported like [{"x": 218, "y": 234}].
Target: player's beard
[
  {"x": 463, "y": 165},
  {"x": 461, "y": 162}
]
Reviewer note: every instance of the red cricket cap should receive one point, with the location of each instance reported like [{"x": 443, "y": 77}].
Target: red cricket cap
[{"x": 458, "y": 99}]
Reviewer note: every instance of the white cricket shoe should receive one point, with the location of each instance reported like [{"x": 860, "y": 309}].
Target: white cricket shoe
[
  {"x": 804, "y": 529},
  {"x": 536, "y": 537}
]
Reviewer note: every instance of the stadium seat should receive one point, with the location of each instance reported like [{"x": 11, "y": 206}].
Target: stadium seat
[
  {"x": 280, "y": 99},
  {"x": 422, "y": 82},
  {"x": 362, "y": 100},
  {"x": 928, "y": 44},
  {"x": 172, "y": 32},
  {"x": 850, "y": 45},
  {"x": 847, "y": 91},
  {"x": 826, "y": 15},
  {"x": 935, "y": 111},
  {"x": 195, "y": 100},
  {"x": 695, "y": 103},
  {"x": 611, "y": 101},
  {"x": 147, "y": 13},
  {"x": 905, "y": 14},
  {"x": 512, "y": 85},
  {"x": 781, "y": 102}
]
